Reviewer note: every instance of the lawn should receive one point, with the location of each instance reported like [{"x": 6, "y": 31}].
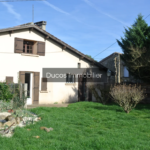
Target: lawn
[{"x": 85, "y": 126}]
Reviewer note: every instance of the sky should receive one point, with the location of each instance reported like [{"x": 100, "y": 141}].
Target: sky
[{"x": 90, "y": 26}]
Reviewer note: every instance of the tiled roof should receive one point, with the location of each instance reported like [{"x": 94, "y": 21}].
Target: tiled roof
[
  {"x": 115, "y": 53},
  {"x": 30, "y": 25}
]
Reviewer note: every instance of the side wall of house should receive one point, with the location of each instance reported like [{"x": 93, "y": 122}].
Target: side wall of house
[
  {"x": 55, "y": 57},
  {"x": 110, "y": 63}
]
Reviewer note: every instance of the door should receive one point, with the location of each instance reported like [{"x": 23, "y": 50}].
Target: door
[
  {"x": 83, "y": 92},
  {"x": 36, "y": 88},
  {"x": 34, "y": 85},
  {"x": 81, "y": 88},
  {"x": 89, "y": 91},
  {"x": 29, "y": 81}
]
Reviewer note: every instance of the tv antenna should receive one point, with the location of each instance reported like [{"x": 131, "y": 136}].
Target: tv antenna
[{"x": 32, "y": 13}]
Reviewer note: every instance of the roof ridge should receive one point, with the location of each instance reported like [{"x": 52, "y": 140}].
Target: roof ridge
[
  {"x": 55, "y": 39},
  {"x": 109, "y": 56}
]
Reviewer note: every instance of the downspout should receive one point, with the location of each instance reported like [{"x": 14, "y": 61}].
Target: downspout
[
  {"x": 118, "y": 68},
  {"x": 115, "y": 64}
]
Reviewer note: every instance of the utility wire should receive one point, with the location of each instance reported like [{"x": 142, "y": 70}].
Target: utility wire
[
  {"x": 105, "y": 49},
  {"x": 115, "y": 42},
  {"x": 147, "y": 16}
]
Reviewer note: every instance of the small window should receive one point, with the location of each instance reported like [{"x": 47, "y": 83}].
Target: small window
[
  {"x": 126, "y": 72},
  {"x": 79, "y": 65},
  {"x": 28, "y": 47},
  {"x": 70, "y": 78}
]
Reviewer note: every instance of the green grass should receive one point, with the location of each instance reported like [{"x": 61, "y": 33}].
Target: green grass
[{"x": 85, "y": 126}]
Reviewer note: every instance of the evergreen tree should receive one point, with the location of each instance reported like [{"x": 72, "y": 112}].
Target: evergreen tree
[{"x": 136, "y": 49}]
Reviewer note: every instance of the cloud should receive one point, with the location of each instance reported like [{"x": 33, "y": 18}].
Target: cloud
[
  {"x": 56, "y": 8},
  {"x": 12, "y": 10},
  {"x": 61, "y": 11},
  {"x": 108, "y": 15},
  {"x": 116, "y": 36},
  {"x": 73, "y": 16}
]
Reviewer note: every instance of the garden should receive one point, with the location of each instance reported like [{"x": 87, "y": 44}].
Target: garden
[
  {"x": 84, "y": 125},
  {"x": 12, "y": 109},
  {"x": 120, "y": 124}
]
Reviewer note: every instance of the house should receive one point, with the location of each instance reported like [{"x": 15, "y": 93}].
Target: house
[
  {"x": 27, "y": 49},
  {"x": 116, "y": 64}
]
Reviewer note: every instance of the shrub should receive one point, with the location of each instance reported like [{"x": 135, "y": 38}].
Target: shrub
[
  {"x": 5, "y": 92},
  {"x": 127, "y": 96},
  {"x": 100, "y": 93},
  {"x": 13, "y": 93},
  {"x": 5, "y": 105},
  {"x": 20, "y": 97},
  {"x": 19, "y": 102}
]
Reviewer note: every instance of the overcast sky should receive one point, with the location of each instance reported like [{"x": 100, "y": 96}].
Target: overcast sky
[{"x": 90, "y": 26}]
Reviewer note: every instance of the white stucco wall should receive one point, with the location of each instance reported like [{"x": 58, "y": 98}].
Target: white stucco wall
[{"x": 12, "y": 63}]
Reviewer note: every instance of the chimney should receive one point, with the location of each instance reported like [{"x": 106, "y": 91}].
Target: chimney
[{"x": 41, "y": 24}]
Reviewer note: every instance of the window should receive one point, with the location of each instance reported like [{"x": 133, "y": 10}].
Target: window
[
  {"x": 28, "y": 47},
  {"x": 70, "y": 78},
  {"x": 126, "y": 72},
  {"x": 79, "y": 65}
]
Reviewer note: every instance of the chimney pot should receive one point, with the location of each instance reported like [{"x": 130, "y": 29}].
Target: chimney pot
[{"x": 41, "y": 24}]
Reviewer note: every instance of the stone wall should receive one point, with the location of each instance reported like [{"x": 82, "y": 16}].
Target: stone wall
[{"x": 114, "y": 63}]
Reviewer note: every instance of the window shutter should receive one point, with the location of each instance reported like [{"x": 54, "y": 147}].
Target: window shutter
[
  {"x": 80, "y": 88},
  {"x": 18, "y": 45},
  {"x": 41, "y": 48},
  {"x": 67, "y": 77},
  {"x": 36, "y": 87},
  {"x": 9, "y": 80},
  {"x": 74, "y": 78},
  {"x": 44, "y": 84}
]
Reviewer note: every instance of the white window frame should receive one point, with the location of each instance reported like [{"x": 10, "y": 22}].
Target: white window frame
[
  {"x": 79, "y": 65},
  {"x": 70, "y": 78},
  {"x": 125, "y": 72}
]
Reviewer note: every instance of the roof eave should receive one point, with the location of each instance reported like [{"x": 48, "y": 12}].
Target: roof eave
[{"x": 55, "y": 39}]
